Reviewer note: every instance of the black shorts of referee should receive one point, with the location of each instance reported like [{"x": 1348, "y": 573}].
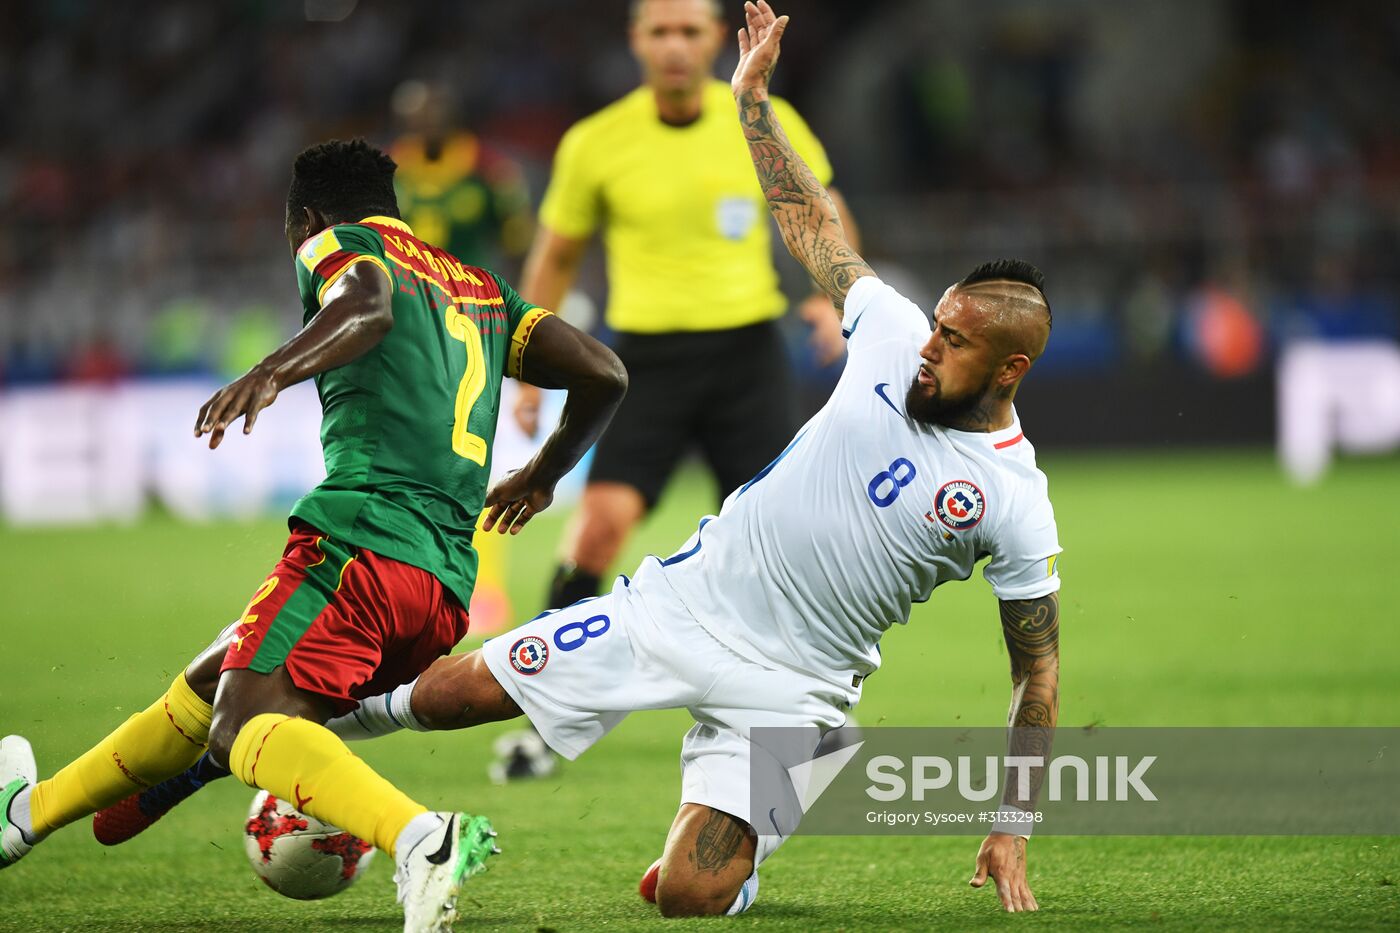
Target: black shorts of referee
[{"x": 727, "y": 393}]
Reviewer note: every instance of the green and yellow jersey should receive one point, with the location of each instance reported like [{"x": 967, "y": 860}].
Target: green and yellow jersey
[
  {"x": 462, "y": 196},
  {"x": 407, "y": 428},
  {"x": 685, "y": 223}
]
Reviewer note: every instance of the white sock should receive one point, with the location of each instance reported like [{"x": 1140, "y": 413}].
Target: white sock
[
  {"x": 379, "y": 715},
  {"x": 415, "y": 832},
  {"x": 21, "y": 817},
  {"x": 748, "y": 893}
]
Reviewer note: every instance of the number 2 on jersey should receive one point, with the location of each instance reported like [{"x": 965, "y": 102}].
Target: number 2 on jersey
[{"x": 464, "y": 443}]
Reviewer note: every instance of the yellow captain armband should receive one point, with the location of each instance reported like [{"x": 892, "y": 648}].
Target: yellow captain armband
[
  {"x": 521, "y": 339},
  {"x": 314, "y": 250}
]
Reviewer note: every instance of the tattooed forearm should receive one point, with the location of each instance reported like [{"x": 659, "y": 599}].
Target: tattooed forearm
[
  {"x": 1032, "y": 630},
  {"x": 807, "y": 217},
  {"x": 718, "y": 841}
]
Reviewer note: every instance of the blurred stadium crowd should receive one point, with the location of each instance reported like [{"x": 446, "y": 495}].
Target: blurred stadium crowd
[{"x": 1201, "y": 181}]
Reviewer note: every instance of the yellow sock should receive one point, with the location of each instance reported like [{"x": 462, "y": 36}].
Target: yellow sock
[
  {"x": 157, "y": 743},
  {"x": 309, "y": 767}
]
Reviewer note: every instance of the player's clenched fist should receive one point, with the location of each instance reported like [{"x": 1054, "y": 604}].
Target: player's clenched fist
[{"x": 242, "y": 398}]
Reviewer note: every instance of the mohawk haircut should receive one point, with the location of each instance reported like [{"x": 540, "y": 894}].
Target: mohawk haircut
[
  {"x": 1011, "y": 270},
  {"x": 345, "y": 180}
]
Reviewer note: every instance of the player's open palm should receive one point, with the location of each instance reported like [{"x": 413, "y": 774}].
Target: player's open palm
[
  {"x": 242, "y": 398},
  {"x": 758, "y": 46},
  {"x": 514, "y": 500},
  {"x": 1003, "y": 858}
]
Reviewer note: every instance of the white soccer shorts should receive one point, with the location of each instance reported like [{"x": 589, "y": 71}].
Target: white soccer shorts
[{"x": 577, "y": 672}]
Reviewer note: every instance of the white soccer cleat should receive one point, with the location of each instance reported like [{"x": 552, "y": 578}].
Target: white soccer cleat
[
  {"x": 17, "y": 771},
  {"x": 431, "y": 874},
  {"x": 748, "y": 893}
]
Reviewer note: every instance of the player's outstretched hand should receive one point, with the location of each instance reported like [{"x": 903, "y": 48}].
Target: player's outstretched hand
[
  {"x": 1003, "y": 857},
  {"x": 516, "y": 499},
  {"x": 242, "y": 398},
  {"x": 758, "y": 47}
]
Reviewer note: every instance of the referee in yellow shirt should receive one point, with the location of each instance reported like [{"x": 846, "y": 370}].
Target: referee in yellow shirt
[{"x": 693, "y": 295}]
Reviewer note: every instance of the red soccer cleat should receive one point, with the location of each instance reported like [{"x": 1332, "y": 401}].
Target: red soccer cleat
[
  {"x": 647, "y": 889},
  {"x": 122, "y": 821}
]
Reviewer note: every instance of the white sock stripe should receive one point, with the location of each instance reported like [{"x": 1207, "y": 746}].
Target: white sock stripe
[
  {"x": 389, "y": 708},
  {"x": 401, "y": 698}
]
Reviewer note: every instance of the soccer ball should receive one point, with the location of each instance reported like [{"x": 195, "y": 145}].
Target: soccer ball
[{"x": 299, "y": 856}]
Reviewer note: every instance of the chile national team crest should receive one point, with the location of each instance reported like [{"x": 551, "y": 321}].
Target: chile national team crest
[
  {"x": 529, "y": 655},
  {"x": 960, "y": 505}
]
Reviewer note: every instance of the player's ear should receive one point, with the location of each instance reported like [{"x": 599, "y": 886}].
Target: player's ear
[
  {"x": 1012, "y": 369},
  {"x": 315, "y": 221}
]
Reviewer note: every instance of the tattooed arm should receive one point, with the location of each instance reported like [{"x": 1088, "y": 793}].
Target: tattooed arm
[
  {"x": 808, "y": 218},
  {"x": 1032, "y": 630}
]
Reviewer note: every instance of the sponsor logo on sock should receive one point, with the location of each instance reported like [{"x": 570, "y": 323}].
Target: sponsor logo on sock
[{"x": 121, "y": 765}]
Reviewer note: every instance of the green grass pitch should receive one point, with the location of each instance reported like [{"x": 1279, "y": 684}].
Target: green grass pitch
[{"x": 1199, "y": 590}]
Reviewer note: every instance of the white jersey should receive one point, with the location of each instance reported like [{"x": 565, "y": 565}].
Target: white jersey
[{"x": 865, "y": 513}]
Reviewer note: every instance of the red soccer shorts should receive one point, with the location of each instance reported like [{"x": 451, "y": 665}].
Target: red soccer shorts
[{"x": 346, "y": 623}]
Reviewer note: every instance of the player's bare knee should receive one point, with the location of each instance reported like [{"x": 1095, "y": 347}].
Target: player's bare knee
[
  {"x": 203, "y": 675},
  {"x": 694, "y": 896},
  {"x": 709, "y": 855},
  {"x": 223, "y": 731}
]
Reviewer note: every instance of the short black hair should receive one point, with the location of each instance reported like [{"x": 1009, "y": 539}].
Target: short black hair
[
  {"x": 346, "y": 180},
  {"x": 1013, "y": 270},
  {"x": 634, "y": 11}
]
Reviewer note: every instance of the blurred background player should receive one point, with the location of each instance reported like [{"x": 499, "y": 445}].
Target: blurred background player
[
  {"x": 458, "y": 192},
  {"x": 692, "y": 293},
  {"x": 455, "y": 190}
]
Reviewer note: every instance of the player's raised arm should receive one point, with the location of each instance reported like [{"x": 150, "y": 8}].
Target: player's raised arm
[
  {"x": 808, "y": 218},
  {"x": 356, "y": 314},
  {"x": 558, "y": 356},
  {"x": 1032, "y": 631}
]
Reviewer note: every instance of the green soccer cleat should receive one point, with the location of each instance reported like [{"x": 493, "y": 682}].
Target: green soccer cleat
[
  {"x": 17, "y": 771},
  {"x": 431, "y": 874}
]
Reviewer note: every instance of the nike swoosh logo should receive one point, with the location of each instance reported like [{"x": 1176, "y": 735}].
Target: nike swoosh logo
[
  {"x": 442, "y": 854},
  {"x": 880, "y": 391}
]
